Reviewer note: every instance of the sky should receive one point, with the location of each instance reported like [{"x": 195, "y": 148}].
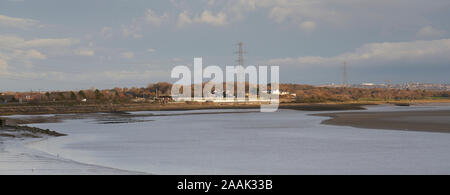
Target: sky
[{"x": 60, "y": 45}]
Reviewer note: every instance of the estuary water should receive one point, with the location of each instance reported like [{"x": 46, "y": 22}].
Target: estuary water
[{"x": 243, "y": 142}]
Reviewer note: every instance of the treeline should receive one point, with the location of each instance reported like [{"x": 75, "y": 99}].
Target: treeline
[
  {"x": 303, "y": 94},
  {"x": 115, "y": 95},
  {"x": 310, "y": 94}
]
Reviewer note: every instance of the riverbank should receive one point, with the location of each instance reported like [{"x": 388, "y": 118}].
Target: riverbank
[
  {"x": 429, "y": 121},
  {"x": 95, "y": 108},
  {"x": 75, "y": 108}
]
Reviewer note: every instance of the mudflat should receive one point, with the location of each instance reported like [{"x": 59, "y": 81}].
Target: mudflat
[
  {"x": 431, "y": 121},
  {"x": 94, "y": 108}
]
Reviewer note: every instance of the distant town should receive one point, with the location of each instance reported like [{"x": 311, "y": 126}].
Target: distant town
[{"x": 409, "y": 85}]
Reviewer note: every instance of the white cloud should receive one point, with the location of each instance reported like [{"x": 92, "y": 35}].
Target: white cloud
[
  {"x": 308, "y": 26},
  {"x": 50, "y": 75},
  {"x": 206, "y": 17},
  {"x": 132, "y": 30},
  {"x": 237, "y": 9},
  {"x": 216, "y": 20},
  {"x": 34, "y": 54},
  {"x": 184, "y": 19},
  {"x": 379, "y": 54},
  {"x": 90, "y": 77},
  {"x": 18, "y": 59},
  {"x": 84, "y": 52},
  {"x": 152, "y": 18},
  {"x": 12, "y": 41},
  {"x": 430, "y": 32},
  {"x": 127, "y": 55},
  {"x": 19, "y": 53},
  {"x": 386, "y": 15},
  {"x": 151, "y": 50},
  {"x": 299, "y": 12},
  {"x": 49, "y": 43},
  {"x": 23, "y": 23}
]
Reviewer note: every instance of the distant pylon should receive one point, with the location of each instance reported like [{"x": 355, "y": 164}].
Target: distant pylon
[
  {"x": 240, "y": 53},
  {"x": 345, "y": 81}
]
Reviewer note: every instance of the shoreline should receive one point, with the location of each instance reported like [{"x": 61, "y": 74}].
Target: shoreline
[
  {"x": 424, "y": 121},
  {"x": 57, "y": 108},
  {"x": 18, "y": 158},
  {"x": 117, "y": 108}
]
